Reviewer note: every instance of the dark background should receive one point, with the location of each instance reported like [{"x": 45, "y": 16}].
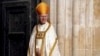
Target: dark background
[{"x": 17, "y": 18}]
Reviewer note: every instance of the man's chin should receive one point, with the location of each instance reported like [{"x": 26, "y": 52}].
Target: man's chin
[{"x": 42, "y": 23}]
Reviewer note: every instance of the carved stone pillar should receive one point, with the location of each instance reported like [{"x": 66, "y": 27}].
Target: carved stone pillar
[
  {"x": 83, "y": 29},
  {"x": 74, "y": 23},
  {"x": 96, "y": 42}
]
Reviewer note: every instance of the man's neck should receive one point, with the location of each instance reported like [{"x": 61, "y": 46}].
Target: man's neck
[{"x": 42, "y": 23}]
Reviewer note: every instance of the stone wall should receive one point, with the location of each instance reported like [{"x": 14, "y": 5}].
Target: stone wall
[
  {"x": 96, "y": 42},
  {"x": 77, "y": 23}
]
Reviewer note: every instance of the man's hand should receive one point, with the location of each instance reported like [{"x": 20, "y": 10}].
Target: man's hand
[{"x": 38, "y": 52}]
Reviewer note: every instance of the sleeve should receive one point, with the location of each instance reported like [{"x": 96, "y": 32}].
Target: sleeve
[
  {"x": 54, "y": 50},
  {"x": 31, "y": 48}
]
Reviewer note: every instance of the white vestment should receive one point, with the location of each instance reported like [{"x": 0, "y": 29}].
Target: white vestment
[{"x": 50, "y": 44}]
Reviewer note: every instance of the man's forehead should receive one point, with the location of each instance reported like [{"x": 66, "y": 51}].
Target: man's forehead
[{"x": 43, "y": 15}]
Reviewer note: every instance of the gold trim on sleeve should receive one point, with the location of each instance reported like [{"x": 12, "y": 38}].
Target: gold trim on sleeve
[{"x": 51, "y": 50}]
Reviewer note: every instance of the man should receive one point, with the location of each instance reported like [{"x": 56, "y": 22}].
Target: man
[{"x": 43, "y": 41}]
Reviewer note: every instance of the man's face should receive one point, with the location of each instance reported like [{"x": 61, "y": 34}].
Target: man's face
[{"x": 43, "y": 18}]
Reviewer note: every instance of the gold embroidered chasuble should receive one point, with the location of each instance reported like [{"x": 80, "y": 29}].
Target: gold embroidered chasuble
[{"x": 44, "y": 38}]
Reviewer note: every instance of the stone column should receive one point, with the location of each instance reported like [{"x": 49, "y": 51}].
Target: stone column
[
  {"x": 64, "y": 26},
  {"x": 74, "y": 23},
  {"x": 53, "y": 12},
  {"x": 79, "y": 28},
  {"x": 96, "y": 42},
  {"x": 61, "y": 11},
  {"x": 89, "y": 28},
  {"x": 83, "y": 29},
  {"x": 61, "y": 17},
  {"x": 68, "y": 27}
]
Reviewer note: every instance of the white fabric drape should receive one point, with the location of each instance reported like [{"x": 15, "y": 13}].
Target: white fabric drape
[{"x": 50, "y": 39}]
